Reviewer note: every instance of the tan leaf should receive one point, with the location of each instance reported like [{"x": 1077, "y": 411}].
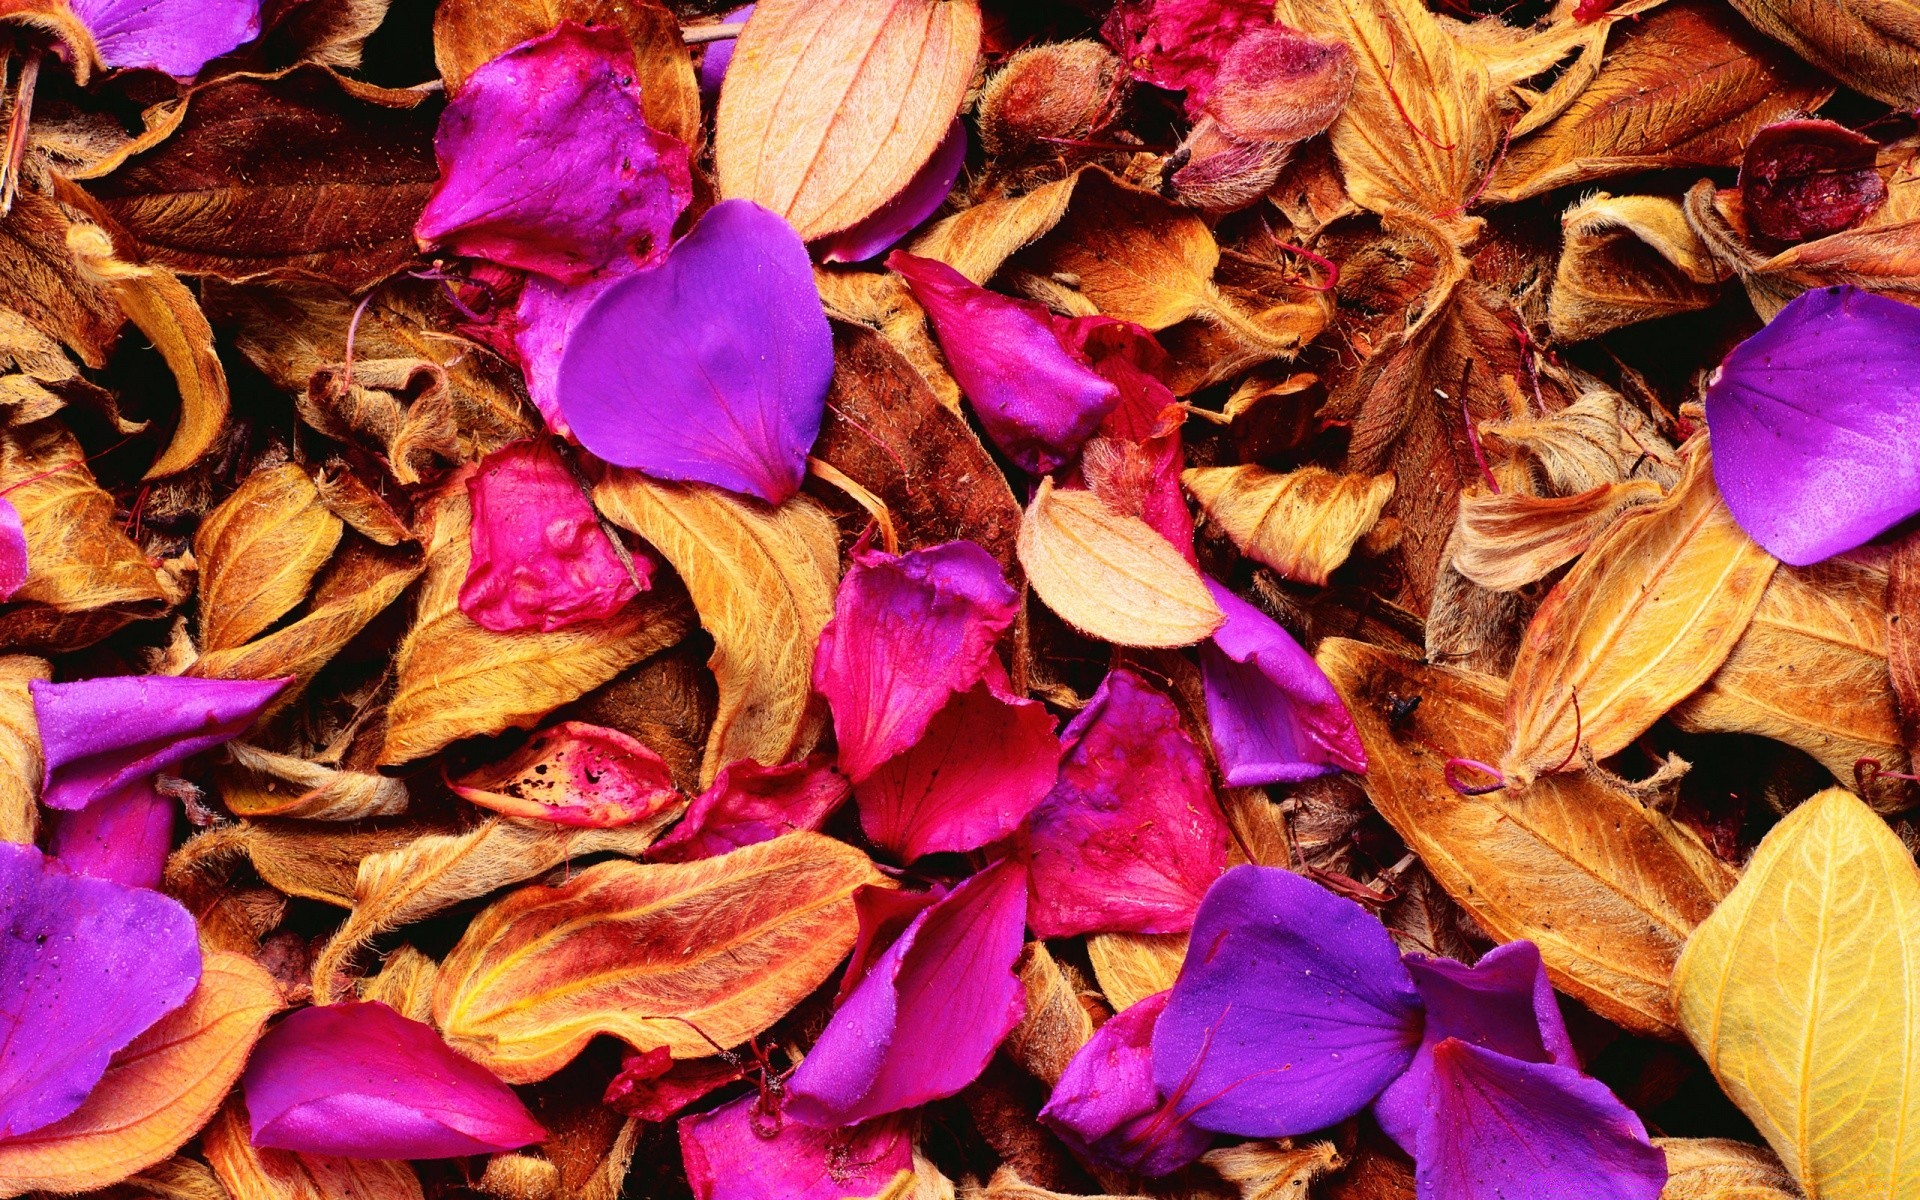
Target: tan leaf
[
  {"x": 978, "y": 240},
  {"x": 520, "y": 1177},
  {"x": 1303, "y": 524},
  {"x": 1056, "y": 1023},
  {"x": 261, "y": 783},
  {"x": 882, "y": 302},
  {"x": 1508, "y": 540},
  {"x": 1648, "y": 614},
  {"x": 763, "y": 581},
  {"x": 1007, "y": 1184},
  {"x": 1606, "y": 887},
  {"x": 831, "y": 106},
  {"x": 258, "y": 554},
  {"x": 1273, "y": 1170},
  {"x": 250, "y": 1173},
  {"x": 1132, "y": 966},
  {"x": 19, "y": 747},
  {"x": 1722, "y": 1169},
  {"x": 156, "y": 1093},
  {"x": 1111, "y": 576},
  {"x": 44, "y": 283},
  {"x": 404, "y": 984},
  {"x": 360, "y": 507},
  {"x": 1627, "y": 259},
  {"x": 36, "y": 376},
  {"x": 727, "y": 944},
  {"x": 178, "y": 1178},
  {"x": 1869, "y": 45},
  {"x": 1597, "y": 440}
]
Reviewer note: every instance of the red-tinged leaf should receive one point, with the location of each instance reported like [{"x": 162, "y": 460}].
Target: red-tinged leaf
[{"x": 575, "y": 774}]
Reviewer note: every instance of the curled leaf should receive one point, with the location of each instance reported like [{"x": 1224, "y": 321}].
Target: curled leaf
[
  {"x": 261, "y": 783},
  {"x": 1509, "y": 539},
  {"x": 1303, "y": 524},
  {"x": 1628, "y": 259},
  {"x": 575, "y": 774},
  {"x": 259, "y": 552}
]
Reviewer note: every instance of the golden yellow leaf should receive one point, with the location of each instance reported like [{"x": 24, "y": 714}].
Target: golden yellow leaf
[
  {"x": 1303, "y": 524},
  {"x": 763, "y": 581},
  {"x": 1644, "y": 618},
  {"x": 156, "y": 1093},
  {"x": 178, "y": 1178},
  {"x": 404, "y": 984},
  {"x": 1007, "y": 1184},
  {"x": 1596, "y": 440},
  {"x": 257, "y": 1174},
  {"x": 258, "y": 553},
  {"x": 262, "y": 783},
  {"x": 1869, "y": 45},
  {"x": 1722, "y": 1169},
  {"x": 1802, "y": 992},
  {"x": 19, "y": 747},
  {"x": 1506, "y": 540},
  {"x": 1129, "y": 967},
  {"x": 1057, "y": 1022},
  {"x": 1607, "y": 887},
  {"x": 1627, "y": 259},
  {"x": 1273, "y": 1170},
  {"x": 1111, "y": 576},
  {"x": 978, "y": 240},
  {"x": 639, "y": 951},
  {"x": 520, "y": 1177}
]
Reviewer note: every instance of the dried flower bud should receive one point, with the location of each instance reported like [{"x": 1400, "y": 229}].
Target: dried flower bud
[{"x": 1063, "y": 90}]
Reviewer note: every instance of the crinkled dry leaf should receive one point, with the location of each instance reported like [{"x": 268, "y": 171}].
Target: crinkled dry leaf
[
  {"x": 1129, "y": 967},
  {"x": 177, "y": 1178},
  {"x": 36, "y": 376},
  {"x": 1723, "y": 1169},
  {"x": 250, "y": 1173},
  {"x": 43, "y": 282},
  {"x": 648, "y": 953},
  {"x": 1608, "y": 888},
  {"x": 259, "y": 552},
  {"x": 1510, "y": 539},
  {"x": 1869, "y": 45},
  {"x": 1007, "y": 1184},
  {"x": 1303, "y": 523},
  {"x": 399, "y": 408},
  {"x": 1273, "y": 1170},
  {"x": 520, "y": 1177},
  {"x": 1057, "y": 1022},
  {"x": 882, "y": 301},
  {"x": 19, "y": 747},
  {"x": 332, "y": 33},
  {"x": 1628, "y": 259},
  {"x": 261, "y": 783},
  {"x": 763, "y": 582},
  {"x": 1596, "y": 440},
  {"x": 1802, "y": 992}
]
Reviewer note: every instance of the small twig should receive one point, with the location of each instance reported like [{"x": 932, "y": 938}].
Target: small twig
[{"x": 700, "y": 35}]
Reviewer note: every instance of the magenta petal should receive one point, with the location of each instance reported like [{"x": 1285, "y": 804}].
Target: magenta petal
[
  {"x": 547, "y": 163},
  {"x": 361, "y": 1081},
  {"x": 1292, "y": 1010},
  {"x": 1816, "y": 446},
  {"x": 1130, "y": 838},
  {"x": 1504, "y": 1128},
  {"x": 174, "y": 36},
  {"x": 738, "y": 1153},
  {"x": 916, "y": 202},
  {"x": 1275, "y": 717},
  {"x": 123, "y": 837},
  {"x": 540, "y": 557},
  {"x": 884, "y": 914},
  {"x": 1106, "y": 1108},
  {"x": 1134, "y": 462},
  {"x": 13, "y": 550},
  {"x": 749, "y": 803},
  {"x": 1179, "y": 44},
  {"x": 1034, "y": 398},
  {"x": 908, "y": 631},
  {"x": 712, "y": 366},
  {"x": 1809, "y": 179},
  {"x": 99, "y": 735},
  {"x": 88, "y": 965},
  {"x": 928, "y": 1015}
]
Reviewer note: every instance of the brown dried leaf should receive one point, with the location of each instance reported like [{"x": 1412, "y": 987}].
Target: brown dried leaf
[
  {"x": 978, "y": 240},
  {"x": 1903, "y": 636},
  {"x": 1129, "y": 967},
  {"x": 1722, "y": 1169},
  {"x": 36, "y": 376},
  {"x": 1608, "y": 888},
  {"x": 261, "y": 783},
  {"x": 19, "y": 747},
  {"x": 250, "y": 1173},
  {"x": 1869, "y": 45},
  {"x": 259, "y": 552},
  {"x": 1007, "y": 1184},
  {"x": 1628, "y": 259},
  {"x": 1057, "y": 1022},
  {"x": 1303, "y": 524},
  {"x": 882, "y": 301},
  {"x": 43, "y": 282},
  {"x": 332, "y": 33},
  {"x": 1508, "y": 540},
  {"x": 1273, "y": 1170},
  {"x": 763, "y": 582},
  {"x": 1597, "y": 440},
  {"x": 728, "y": 944}
]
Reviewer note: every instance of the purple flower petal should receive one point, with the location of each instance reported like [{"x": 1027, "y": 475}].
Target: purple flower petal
[
  {"x": 547, "y": 313},
  {"x": 89, "y": 965},
  {"x": 1815, "y": 443},
  {"x": 1503, "y": 1003},
  {"x": 908, "y": 631},
  {"x": 175, "y": 36},
  {"x": 13, "y": 550},
  {"x": 884, "y": 914},
  {"x": 1505, "y": 1128},
  {"x": 1292, "y": 1010},
  {"x": 898, "y": 217},
  {"x": 712, "y": 366},
  {"x": 749, "y": 803},
  {"x": 123, "y": 837},
  {"x": 575, "y": 773},
  {"x": 926, "y": 1018},
  {"x": 738, "y": 1153},
  {"x": 713, "y": 64},
  {"x": 99, "y": 735},
  {"x": 1106, "y": 1108},
  {"x": 547, "y": 163},
  {"x": 361, "y": 1081},
  {"x": 1275, "y": 717},
  {"x": 1036, "y": 400},
  {"x": 1130, "y": 838},
  {"x": 540, "y": 557}
]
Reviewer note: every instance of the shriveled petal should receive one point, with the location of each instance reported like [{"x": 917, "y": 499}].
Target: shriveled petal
[
  {"x": 13, "y": 550},
  {"x": 361, "y": 1081},
  {"x": 1809, "y": 179},
  {"x": 123, "y": 837},
  {"x": 1278, "y": 86},
  {"x": 1291, "y": 1012},
  {"x": 652, "y": 1087},
  {"x": 1275, "y": 717},
  {"x": 89, "y": 965},
  {"x": 712, "y": 366},
  {"x": 1035, "y": 398},
  {"x": 1106, "y": 1108},
  {"x": 924, "y": 194},
  {"x": 926, "y": 1018},
  {"x": 737, "y": 1153},
  {"x": 750, "y": 803},
  {"x": 1502, "y": 1128},
  {"x": 1179, "y": 44},
  {"x": 1130, "y": 838},
  {"x": 576, "y": 774},
  {"x": 1816, "y": 424},
  {"x": 547, "y": 163},
  {"x": 99, "y": 735},
  {"x": 175, "y": 36},
  {"x": 1134, "y": 461},
  {"x": 541, "y": 559},
  {"x": 908, "y": 631}
]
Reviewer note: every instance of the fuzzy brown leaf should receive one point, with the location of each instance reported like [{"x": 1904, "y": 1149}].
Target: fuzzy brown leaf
[
  {"x": 1508, "y": 540},
  {"x": 259, "y": 552},
  {"x": 1303, "y": 524},
  {"x": 1057, "y": 1021},
  {"x": 1597, "y": 440},
  {"x": 332, "y": 33},
  {"x": 978, "y": 240},
  {"x": 1628, "y": 259},
  {"x": 43, "y": 282},
  {"x": 1869, "y": 45},
  {"x": 261, "y": 783},
  {"x": 1273, "y": 1170},
  {"x": 19, "y": 747},
  {"x": 250, "y": 1173}
]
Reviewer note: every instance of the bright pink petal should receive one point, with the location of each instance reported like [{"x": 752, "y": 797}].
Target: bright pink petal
[
  {"x": 749, "y": 803},
  {"x": 1134, "y": 461},
  {"x": 576, "y": 774},
  {"x": 929, "y": 1014},
  {"x": 1131, "y": 837},
  {"x": 1180, "y": 44},
  {"x": 1107, "y": 1109},
  {"x": 547, "y": 163},
  {"x": 737, "y": 1152},
  {"x": 361, "y": 1081},
  {"x": 13, "y": 550},
  {"x": 884, "y": 914},
  {"x": 123, "y": 837},
  {"x": 924, "y": 193},
  {"x": 653, "y": 1087},
  {"x": 175, "y": 36}
]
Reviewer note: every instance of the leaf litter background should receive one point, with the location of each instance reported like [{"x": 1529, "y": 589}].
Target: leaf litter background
[{"x": 613, "y": 635}]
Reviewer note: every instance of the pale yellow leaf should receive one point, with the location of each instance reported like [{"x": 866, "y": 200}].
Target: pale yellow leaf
[{"x": 1506, "y": 540}]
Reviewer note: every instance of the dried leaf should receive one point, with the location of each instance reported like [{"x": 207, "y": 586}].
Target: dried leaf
[
  {"x": 177, "y": 1178},
  {"x": 332, "y": 33},
  {"x": 259, "y": 552},
  {"x": 19, "y": 747},
  {"x": 1132, "y": 966},
  {"x": 1628, "y": 259},
  {"x": 978, "y": 240},
  {"x": 257, "y": 1174},
  {"x": 1273, "y": 1170},
  {"x": 1510, "y": 539},
  {"x": 1802, "y": 992},
  {"x": 1596, "y": 440},
  {"x": 1303, "y": 524},
  {"x": 650, "y": 954},
  {"x": 1056, "y": 1023},
  {"x": 260, "y": 783},
  {"x": 44, "y": 283},
  {"x": 763, "y": 582},
  {"x": 404, "y": 984},
  {"x": 1866, "y": 44},
  {"x": 1722, "y": 1169}
]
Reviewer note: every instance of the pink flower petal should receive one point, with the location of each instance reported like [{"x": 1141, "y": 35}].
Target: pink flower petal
[
  {"x": 1131, "y": 837},
  {"x": 576, "y": 774},
  {"x": 1134, "y": 461},
  {"x": 13, "y": 550},
  {"x": 749, "y": 803},
  {"x": 175, "y": 36},
  {"x": 1179, "y": 44},
  {"x": 652, "y": 1087},
  {"x": 540, "y": 557},
  {"x": 123, "y": 837},
  {"x": 884, "y": 914},
  {"x": 547, "y": 163},
  {"x": 1106, "y": 1108},
  {"x": 738, "y": 1153},
  {"x": 361, "y": 1081},
  {"x": 908, "y": 631},
  {"x": 898, "y": 217}
]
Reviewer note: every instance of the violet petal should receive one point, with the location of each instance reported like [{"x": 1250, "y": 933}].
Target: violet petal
[
  {"x": 736, "y": 1153},
  {"x": 1275, "y": 717},
  {"x": 547, "y": 313},
  {"x": 13, "y": 550},
  {"x": 712, "y": 366},
  {"x": 714, "y": 63},
  {"x": 361, "y": 1081},
  {"x": 930, "y": 1012},
  {"x": 89, "y": 965},
  {"x": 898, "y": 217},
  {"x": 750, "y": 803},
  {"x": 1291, "y": 1012},
  {"x": 175, "y": 36},
  {"x": 1815, "y": 444},
  {"x": 99, "y": 735},
  {"x": 576, "y": 774},
  {"x": 123, "y": 837},
  {"x": 1106, "y": 1108}
]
